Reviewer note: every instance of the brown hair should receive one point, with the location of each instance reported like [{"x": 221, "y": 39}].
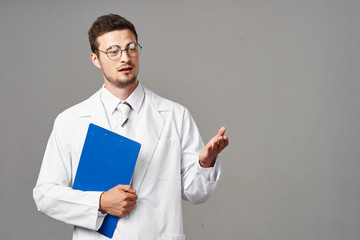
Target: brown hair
[{"x": 108, "y": 23}]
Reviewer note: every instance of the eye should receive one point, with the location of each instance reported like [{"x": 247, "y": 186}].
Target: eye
[
  {"x": 113, "y": 49},
  {"x": 132, "y": 46}
]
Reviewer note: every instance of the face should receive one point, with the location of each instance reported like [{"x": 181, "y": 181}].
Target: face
[{"x": 122, "y": 72}]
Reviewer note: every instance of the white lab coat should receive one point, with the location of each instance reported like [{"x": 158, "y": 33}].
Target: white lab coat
[{"x": 166, "y": 172}]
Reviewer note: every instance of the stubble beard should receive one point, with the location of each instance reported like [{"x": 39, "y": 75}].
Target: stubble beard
[{"x": 121, "y": 83}]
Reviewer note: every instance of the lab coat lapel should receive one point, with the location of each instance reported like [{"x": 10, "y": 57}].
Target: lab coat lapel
[
  {"x": 94, "y": 111},
  {"x": 147, "y": 132},
  {"x": 99, "y": 115}
]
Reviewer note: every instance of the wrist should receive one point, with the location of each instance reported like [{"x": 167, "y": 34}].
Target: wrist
[
  {"x": 100, "y": 205},
  {"x": 207, "y": 164}
]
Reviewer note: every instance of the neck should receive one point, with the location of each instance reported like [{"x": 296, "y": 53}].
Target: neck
[{"x": 121, "y": 92}]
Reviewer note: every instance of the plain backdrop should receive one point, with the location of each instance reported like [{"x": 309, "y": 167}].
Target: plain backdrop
[{"x": 283, "y": 76}]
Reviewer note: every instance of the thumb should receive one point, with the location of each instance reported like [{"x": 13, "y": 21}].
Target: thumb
[
  {"x": 126, "y": 188},
  {"x": 131, "y": 190},
  {"x": 222, "y": 131}
]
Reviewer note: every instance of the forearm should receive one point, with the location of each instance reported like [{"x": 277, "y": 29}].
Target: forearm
[
  {"x": 199, "y": 184},
  {"x": 70, "y": 206}
]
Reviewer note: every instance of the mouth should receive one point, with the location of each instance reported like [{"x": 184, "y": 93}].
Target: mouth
[{"x": 125, "y": 69}]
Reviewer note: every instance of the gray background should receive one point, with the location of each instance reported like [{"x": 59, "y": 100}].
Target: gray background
[{"x": 283, "y": 76}]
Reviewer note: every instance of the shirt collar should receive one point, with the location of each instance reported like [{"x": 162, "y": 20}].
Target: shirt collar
[
  {"x": 110, "y": 101},
  {"x": 136, "y": 98}
]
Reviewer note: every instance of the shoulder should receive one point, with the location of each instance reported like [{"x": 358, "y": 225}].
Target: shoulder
[{"x": 78, "y": 110}]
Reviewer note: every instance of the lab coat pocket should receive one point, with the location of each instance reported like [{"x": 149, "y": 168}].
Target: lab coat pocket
[{"x": 165, "y": 163}]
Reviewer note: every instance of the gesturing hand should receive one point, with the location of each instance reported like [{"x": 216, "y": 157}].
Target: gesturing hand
[
  {"x": 119, "y": 201},
  {"x": 208, "y": 155}
]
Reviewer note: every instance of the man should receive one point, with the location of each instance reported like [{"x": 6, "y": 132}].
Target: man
[{"x": 173, "y": 163}]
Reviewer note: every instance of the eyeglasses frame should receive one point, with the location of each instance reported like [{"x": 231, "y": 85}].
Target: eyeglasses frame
[{"x": 121, "y": 50}]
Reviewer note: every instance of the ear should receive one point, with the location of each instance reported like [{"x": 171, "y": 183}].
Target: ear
[{"x": 95, "y": 60}]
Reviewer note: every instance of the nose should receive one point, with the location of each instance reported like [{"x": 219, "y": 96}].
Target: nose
[{"x": 124, "y": 57}]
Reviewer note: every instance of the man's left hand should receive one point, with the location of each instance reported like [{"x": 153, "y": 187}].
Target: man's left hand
[{"x": 208, "y": 155}]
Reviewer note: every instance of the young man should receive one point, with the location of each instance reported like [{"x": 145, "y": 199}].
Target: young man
[{"x": 173, "y": 163}]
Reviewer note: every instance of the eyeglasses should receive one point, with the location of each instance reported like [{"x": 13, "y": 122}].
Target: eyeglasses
[{"x": 114, "y": 52}]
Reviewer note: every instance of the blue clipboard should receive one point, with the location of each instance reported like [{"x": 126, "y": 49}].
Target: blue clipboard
[{"x": 107, "y": 160}]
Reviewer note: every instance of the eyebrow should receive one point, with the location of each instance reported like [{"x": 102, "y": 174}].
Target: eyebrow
[
  {"x": 111, "y": 47},
  {"x": 127, "y": 45}
]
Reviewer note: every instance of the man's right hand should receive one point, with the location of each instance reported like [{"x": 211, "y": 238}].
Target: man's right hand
[{"x": 119, "y": 201}]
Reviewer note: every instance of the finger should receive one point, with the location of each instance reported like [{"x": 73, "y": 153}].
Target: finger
[
  {"x": 221, "y": 145},
  {"x": 226, "y": 141},
  {"x": 129, "y": 209},
  {"x": 210, "y": 148},
  {"x": 217, "y": 143},
  {"x": 124, "y": 187},
  {"x": 124, "y": 213},
  {"x": 130, "y": 197},
  {"x": 222, "y": 131},
  {"x": 131, "y": 190},
  {"x": 215, "y": 147},
  {"x": 129, "y": 204}
]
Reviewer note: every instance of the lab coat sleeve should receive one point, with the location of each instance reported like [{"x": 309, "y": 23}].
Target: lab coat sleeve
[
  {"x": 197, "y": 184},
  {"x": 53, "y": 194}
]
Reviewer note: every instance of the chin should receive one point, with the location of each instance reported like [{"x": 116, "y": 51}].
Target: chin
[
  {"x": 121, "y": 82},
  {"x": 124, "y": 83}
]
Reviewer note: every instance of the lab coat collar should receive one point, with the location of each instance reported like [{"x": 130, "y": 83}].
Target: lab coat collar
[{"x": 93, "y": 105}]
